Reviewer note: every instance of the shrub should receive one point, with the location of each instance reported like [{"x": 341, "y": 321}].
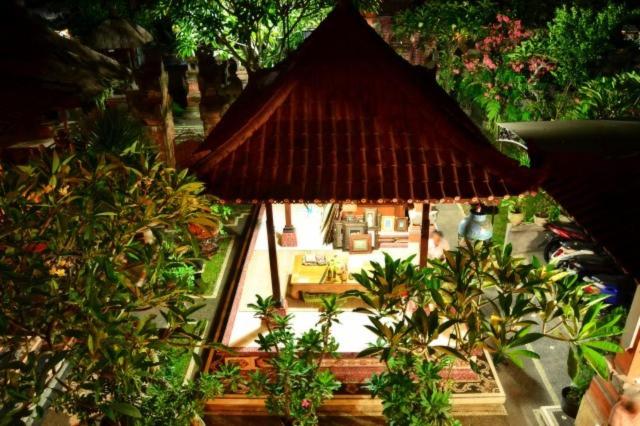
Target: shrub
[
  {"x": 297, "y": 385},
  {"x": 89, "y": 243}
]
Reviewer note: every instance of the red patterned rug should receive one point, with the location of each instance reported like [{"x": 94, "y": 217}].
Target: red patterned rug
[{"x": 354, "y": 372}]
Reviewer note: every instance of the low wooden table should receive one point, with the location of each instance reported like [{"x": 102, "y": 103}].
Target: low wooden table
[{"x": 311, "y": 279}]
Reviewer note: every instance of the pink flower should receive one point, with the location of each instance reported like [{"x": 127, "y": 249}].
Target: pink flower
[
  {"x": 306, "y": 404},
  {"x": 486, "y": 60},
  {"x": 470, "y": 65},
  {"x": 517, "y": 66}
]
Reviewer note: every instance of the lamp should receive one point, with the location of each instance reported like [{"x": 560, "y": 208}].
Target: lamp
[{"x": 476, "y": 226}]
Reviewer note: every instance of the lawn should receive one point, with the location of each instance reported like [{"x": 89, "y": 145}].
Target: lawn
[
  {"x": 212, "y": 268},
  {"x": 500, "y": 226}
]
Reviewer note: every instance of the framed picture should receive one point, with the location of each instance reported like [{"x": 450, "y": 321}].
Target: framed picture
[
  {"x": 351, "y": 218},
  {"x": 360, "y": 243},
  {"x": 402, "y": 224},
  {"x": 337, "y": 235},
  {"x": 388, "y": 223},
  {"x": 349, "y": 229},
  {"x": 373, "y": 233},
  {"x": 371, "y": 217}
]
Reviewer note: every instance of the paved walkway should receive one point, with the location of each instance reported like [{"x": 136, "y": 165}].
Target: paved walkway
[{"x": 449, "y": 217}]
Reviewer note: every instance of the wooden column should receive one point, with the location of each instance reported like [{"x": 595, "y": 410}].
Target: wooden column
[
  {"x": 273, "y": 256},
  {"x": 424, "y": 235},
  {"x": 289, "y": 238},
  {"x": 287, "y": 216}
]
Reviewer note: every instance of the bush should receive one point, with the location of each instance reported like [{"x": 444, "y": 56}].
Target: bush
[
  {"x": 95, "y": 256},
  {"x": 297, "y": 385}
]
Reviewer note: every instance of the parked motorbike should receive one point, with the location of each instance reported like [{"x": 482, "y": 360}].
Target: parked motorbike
[
  {"x": 619, "y": 288},
  {"x": 558, "y": 232},
  {"x": 589, "y": 264},
  {"x": 571, "y": 248}
]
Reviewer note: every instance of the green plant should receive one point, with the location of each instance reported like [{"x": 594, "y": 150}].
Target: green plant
[
  {"x": 296, "y": 385},
  {"x": 513, "y": 204},
  {"x": 579, "y": 37},
  {"x": 609, "y": 97},
  {"x": 521, "y": 61},
  {"x": 413, "y": 391},
  {"x": 180, "y": 274},
  {"x": 479, "y": 298},
  {"x": 580, "y": 383},
  {"x": 541, "y": 205},
  {"x": 95, "y": 257},
  {"x": 171, "y": 402},
  {"x": 411, "y": 388}
]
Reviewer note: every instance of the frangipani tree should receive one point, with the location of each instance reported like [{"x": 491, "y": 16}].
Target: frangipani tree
[
  {"x": 478, "y": 298},
  {"x": 89, "y": 243}
]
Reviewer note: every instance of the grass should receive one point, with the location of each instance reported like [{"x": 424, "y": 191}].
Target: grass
[
  {"x": 500, "y": 226},
  {"x": 174, "y": 363},
  {"x": 212, "y": 268}
]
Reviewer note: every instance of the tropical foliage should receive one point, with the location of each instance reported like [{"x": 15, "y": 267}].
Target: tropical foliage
[
  {"x": 97, "y": 263},
  {"x": 479, "y": 298},
  {"x": 258, "y": 34},
  {"x": 297, "y": 385},
  {"x": 504, "y": 64}
]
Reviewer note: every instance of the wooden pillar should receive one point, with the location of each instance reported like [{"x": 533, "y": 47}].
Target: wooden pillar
[
  {"x": 424, "y": 235},
  {"x": 289, "y": 238},
  {"x": 273, "y": 256},
  {"x": 287, "y": 215}
]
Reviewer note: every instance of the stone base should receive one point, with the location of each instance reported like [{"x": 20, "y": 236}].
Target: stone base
[{"x": 289, "y": 238}]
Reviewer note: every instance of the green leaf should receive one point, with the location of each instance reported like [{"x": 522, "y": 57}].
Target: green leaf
[
  {"x": 126, "y": 409},
  {"x": 597, "y": 361},
  {"x": 55, "y": 162},
  {"x": 369, "y": 351},
  {"x": 604, "y": 346},
  {"x": 572, "y": 363}
]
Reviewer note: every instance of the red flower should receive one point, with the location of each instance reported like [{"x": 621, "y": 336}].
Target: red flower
[
  {"x": 306, "y": 404},
  {"x": 35, "y": 247},
  {"x": 200, "y": 231},
  {"x": 196, "y": 230}
]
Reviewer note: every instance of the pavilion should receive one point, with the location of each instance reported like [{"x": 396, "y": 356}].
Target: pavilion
[{"x": 345, "y": 119}]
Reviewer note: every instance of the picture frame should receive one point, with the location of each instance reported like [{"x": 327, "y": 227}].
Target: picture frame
[
  {"x": 373, "y": 233},
  {"x": 359, "y": 243},
  {"x": 387, "y": 223},
  {"x": 349, "y": 229},
  {"x": 352, "y": 218},
  {"x": 402, "y": 224},
  {"x": 338, "y": 239},
  {"x": 371, "y": 216}
]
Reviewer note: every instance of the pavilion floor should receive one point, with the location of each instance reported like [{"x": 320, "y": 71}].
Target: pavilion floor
[
  {"x": 470, "y": 389},
  {"x": 350, "y": 333}
]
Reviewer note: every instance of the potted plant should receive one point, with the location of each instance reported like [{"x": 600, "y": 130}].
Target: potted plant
[
  {"x": 545, "y": 209},
  {"x": 515, "y": 210},
  {"x": 541, "y": 218},
  {"x": 572, "y": 395}
]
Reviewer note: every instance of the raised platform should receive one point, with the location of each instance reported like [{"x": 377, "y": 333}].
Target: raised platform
[{"x": 480, "y": 394}]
